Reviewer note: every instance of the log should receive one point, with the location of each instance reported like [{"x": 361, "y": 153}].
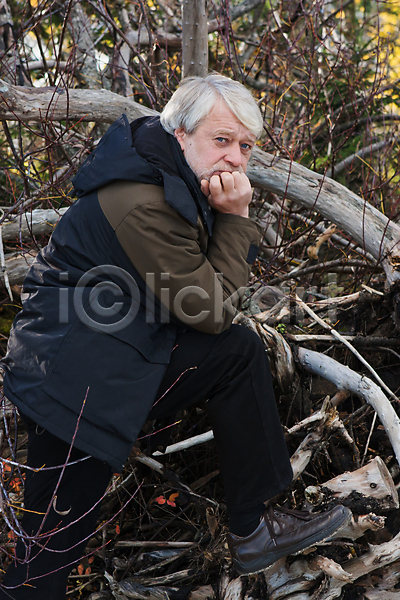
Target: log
[
  {"x": 286, "y": 581},
  {"x": 17, "y": 267},
  {"x": 385, "y": 588},
  {"x": 378, "y": 556},
  {"x": 292, "y": 581},
  {"x": 372, "y": 480},
  {"x": 36, "y": 222},
  {"x": 283, "y": 579},
  {"x": 59, "y": 104}
]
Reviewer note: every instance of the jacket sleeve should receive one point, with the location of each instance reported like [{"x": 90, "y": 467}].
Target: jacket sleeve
[{"x": 199, "y": 288}]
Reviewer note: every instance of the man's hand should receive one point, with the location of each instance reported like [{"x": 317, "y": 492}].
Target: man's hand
[{"x": 229, "y": 193}]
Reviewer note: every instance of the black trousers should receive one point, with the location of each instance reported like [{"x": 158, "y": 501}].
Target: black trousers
[{"x": 231, "y": 370}]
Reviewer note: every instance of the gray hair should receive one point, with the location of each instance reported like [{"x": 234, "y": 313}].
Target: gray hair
[{"x": 195, "y": 98}]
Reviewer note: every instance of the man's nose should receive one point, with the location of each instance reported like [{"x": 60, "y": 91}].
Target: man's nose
[{"x": 234, "y": 155}]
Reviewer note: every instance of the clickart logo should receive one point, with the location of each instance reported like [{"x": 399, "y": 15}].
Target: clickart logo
[
  {"x": 107, "y": 298},
  {"x": 88, "y": 306}
]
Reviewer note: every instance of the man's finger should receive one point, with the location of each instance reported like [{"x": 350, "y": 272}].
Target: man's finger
[
  {"x": 215, "y": 188},
  {"x": 205, "y": 187},
  {"x": 241, "y": 181},
  {"x": 228, "y": 181}
]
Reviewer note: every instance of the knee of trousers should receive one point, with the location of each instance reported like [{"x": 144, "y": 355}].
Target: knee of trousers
[{"x": 242, "y": 340}]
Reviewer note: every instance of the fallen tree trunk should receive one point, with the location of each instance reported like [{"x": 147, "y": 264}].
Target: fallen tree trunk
[
  {"x": 293, "y": 580},
  {"x": 59, "y": 104},
  {"x": 36, "y": 222},
  {"x": 370, "y": 228},
  {"x": 373, "y": 479},
  {"x": 17, "y": 267},
  {"x": 378, "y": 556}
]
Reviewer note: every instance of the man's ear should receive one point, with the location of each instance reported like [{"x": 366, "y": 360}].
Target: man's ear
[{"x": 180, "y": 135}]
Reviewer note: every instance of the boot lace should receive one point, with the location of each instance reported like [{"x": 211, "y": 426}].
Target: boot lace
[{"x": 272, "y": 517}]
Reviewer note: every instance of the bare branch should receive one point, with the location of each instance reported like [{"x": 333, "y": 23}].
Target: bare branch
[
  {"x": 345, "y": 378},
  {"x": 360, "y": 154}
]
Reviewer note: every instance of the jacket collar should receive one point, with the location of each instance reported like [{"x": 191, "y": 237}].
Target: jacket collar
[
  {"x": 162, "y": 150},
  {"x": 144, "y": 152}
]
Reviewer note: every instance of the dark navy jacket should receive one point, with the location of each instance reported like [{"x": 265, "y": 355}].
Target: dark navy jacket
[{"x": 83, "y": 357}]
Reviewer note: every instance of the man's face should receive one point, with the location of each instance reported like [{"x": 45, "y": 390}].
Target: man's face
[{"x": 220, "y": 143}]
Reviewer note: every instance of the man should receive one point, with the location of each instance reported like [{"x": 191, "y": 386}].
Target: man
[{"x": 127, "y": 316}]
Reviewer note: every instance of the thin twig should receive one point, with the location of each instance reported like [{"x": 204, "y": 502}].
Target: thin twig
[
  {"x": 339, "y": 337},
  {"x": 369, "y": 439}
]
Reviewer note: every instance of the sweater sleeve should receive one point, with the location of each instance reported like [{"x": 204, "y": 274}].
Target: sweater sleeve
[{"x": 202, "y": 289}]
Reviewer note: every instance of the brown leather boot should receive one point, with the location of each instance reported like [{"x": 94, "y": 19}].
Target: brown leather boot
[{"x": 282, "y": 532}]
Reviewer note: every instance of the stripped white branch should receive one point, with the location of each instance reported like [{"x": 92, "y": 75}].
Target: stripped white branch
[
  {"x": 339, "y": 337},
  {"x": 345, "y": 378},
  {"x": 189, "y": 443},
  {"x": 3, "y": 266},
  {"x": 318, "y": 415}
]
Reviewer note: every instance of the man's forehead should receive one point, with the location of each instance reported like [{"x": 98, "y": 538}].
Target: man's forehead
[
  {"x": 242, "y": 131},
  {"x": 227, "y": 124}
]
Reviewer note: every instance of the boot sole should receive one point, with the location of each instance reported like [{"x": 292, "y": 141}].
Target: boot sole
[{"x": 270, "y": 558}]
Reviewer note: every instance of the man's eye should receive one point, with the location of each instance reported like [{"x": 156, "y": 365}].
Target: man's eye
[
  {"x": 246, "y": 146},
  {"x": 221, "y": 139}
]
